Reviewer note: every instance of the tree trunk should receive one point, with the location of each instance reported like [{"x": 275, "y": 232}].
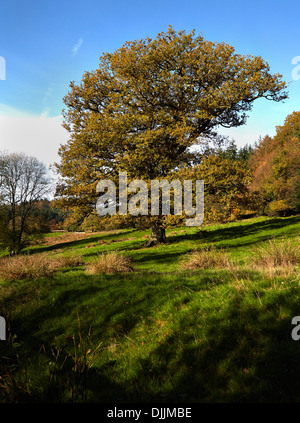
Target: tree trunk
[{"x": 158, "y": 234}]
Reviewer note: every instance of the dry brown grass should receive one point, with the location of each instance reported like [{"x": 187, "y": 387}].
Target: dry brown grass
[
  {"x": 35, "y": 266},
  {"x": 282, "y": 253},
  {"x": 206, "y": 258},
  {"x": 277, "y": 256},
  {"x": 66, "y": 261},
  {"x": 26, "y": 267},
  {"x": 110, "y": 262},
  {"x": 62, "y": 238}
]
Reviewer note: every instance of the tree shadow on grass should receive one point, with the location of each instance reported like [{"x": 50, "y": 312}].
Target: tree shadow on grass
[
  {"x": 239, "y": 353},
  {"x": 90, "y": 239},
  {"x": 130, "y": 246},
  {"x": 244, "y": 230},
  {"x": 56, "y": 375},
  {"x": 242, "y": 356}
]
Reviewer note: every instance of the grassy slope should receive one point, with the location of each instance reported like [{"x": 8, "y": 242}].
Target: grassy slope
[{"x": 158, "y": 333}]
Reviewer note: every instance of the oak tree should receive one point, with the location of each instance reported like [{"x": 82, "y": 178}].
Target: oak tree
[{"x": 147, "y": 103}]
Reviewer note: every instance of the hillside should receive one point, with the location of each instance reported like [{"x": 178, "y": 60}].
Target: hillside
[{"x": 163, "y": 329}]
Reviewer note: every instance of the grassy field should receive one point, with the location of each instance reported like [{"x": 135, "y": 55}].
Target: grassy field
[{"x": 204, "y": 318}]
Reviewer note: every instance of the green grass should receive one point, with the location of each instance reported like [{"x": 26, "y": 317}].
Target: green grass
[{"x": 159, "y": 333}]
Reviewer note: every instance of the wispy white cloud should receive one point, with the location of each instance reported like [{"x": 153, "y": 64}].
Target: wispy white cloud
[
  {"x": 46, "y": 98},
  {"x": 47, "y": 94},
  {"x": 77, "y": 46}
]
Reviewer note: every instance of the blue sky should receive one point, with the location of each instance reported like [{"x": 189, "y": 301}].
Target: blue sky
[{"x": 47, "y": 44}]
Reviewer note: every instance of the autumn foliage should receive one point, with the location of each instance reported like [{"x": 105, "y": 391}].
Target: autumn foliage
[{"x": 276, "y": 169}]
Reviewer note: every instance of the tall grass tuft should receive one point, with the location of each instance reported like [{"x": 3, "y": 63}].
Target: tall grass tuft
[
  {"x": 284, "y": 254},
  {"x": 35, "y": 266},
  {"x": 25, "y": 267},
  {"x": 110, "y": 262},
  {"x": 72, "y": 369},
  {"x": 208, "y": 257},
  {"x": 67, "y": 261}
]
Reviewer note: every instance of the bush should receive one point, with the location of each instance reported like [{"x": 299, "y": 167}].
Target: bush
[{"x": 278, "y": 208}]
